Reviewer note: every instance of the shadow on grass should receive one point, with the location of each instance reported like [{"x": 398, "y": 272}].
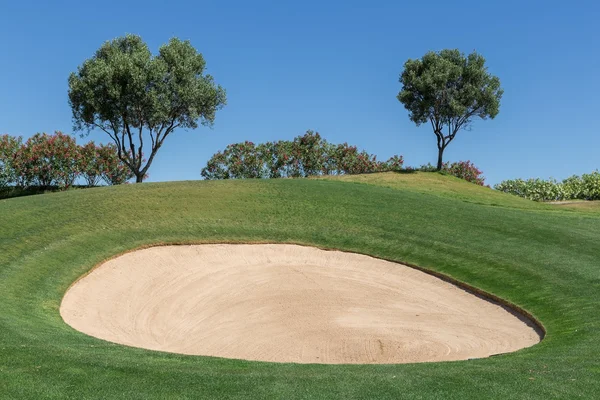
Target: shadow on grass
[{"x": 16, "y": 191}]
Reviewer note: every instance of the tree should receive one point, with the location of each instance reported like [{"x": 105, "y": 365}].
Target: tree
[
  {"x": 130, "y": 94},
  {"x": 449, "y": 90}
]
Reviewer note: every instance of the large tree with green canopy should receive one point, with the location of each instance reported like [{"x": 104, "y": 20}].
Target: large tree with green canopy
[
  {"x": 139, "y": 99},
  {"x": 449, "y": 90}
]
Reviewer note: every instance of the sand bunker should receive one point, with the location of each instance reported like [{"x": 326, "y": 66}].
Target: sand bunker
[{"x": 287, "y": 303}]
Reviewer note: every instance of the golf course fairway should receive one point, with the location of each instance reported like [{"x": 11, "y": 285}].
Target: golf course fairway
[{"x": 539, "y": 259}]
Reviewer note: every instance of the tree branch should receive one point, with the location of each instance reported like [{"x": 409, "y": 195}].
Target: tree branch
[
  {"x": 438, "y": 134},
  {"x": 151, "y": 137},
  {"x": 135, "y": 161},
  {"x": 141, "y": 146},
  {"x": 158, "y": 143},
  {"x": 115, "y": 138},
  {"x": 141, "y": 137}
]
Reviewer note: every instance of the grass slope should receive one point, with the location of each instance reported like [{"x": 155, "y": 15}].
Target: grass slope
[
  {"x": 537, "y": 256},
  {"x": 580, "y": 205}
]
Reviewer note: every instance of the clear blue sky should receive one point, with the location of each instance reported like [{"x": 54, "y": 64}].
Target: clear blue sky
[{"x": 330, "y": 66}]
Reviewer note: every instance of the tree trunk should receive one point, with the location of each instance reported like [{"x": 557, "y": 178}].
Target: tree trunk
[
  {"x": 440, "y": 154},
  {"x": 139, "y": 178}
]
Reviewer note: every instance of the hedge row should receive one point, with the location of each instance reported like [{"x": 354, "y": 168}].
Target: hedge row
[
  {"x": 306, "y": 155},
  {"x": 584, "y": 187},
  {"x": 47, "y": 161},
  {"x": 310, "y": 155},
  {"x": 56, "y": 161}
]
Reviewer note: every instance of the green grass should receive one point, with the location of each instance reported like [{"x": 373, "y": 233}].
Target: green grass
[
  {"x": 580, "y": 205},
  {"x": 541, "y": 257},
  {"x": 438, "y": 184}
]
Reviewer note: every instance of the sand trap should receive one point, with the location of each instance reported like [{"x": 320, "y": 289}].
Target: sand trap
[{"x": 287, "y": 303}]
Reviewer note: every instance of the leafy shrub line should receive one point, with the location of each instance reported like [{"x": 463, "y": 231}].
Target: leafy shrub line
[
  {"x": 584, "y": 187},
  {"x": 56, "y": 161},
  {"x": 306, "y": 155}
]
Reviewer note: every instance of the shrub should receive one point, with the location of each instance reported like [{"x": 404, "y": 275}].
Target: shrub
[
  {"x": 274, "y": 156},
  {"x": 306, "y": 155},
  {"x": 4, "y": 176},
  {"x": 311, "y": 152},
  {"x": 347, "y": 159},
  {"x": 517, "y": 187},
  {"x": 113, "y": 170},
  {"x": 465, "y": 170},
  {"x": 244, "y": 160},
  {"x": 394, "y": 163},
  {"x": 591, "y": 186},
  {"x": 573, "y": 187},
  {"x": 90, "y": 164},
  {"x": 532, "y": 189},
  {"x": 47, "y": 160},
  {"x": 586, "y": 187},
  {"x": 50, "y": 162},
  {"x": 9, "y": 146},
  {"x": 427, "y": 168},
  {"x": 462, "y": 169},
  {"x": 238, "y": 160}
]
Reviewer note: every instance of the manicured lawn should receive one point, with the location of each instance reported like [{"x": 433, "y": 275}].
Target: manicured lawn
[
  {"x": 541, "y": 257},
  {"x": 589, "y": 206},
  {"x": 446, "y": 186}
]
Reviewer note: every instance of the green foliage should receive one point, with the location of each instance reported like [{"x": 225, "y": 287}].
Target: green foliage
[
  {"x": 395, "y": 163},
  {"x": 101, "y": 163},
  {"x": 9, "y": 145},
  {"x": 585, "y": 187},
  {"x": 573, "y": 187},
  {"x": 114, "y": 171},
  {"x": 465, "y": 170},
  {"x": 533, "y": 189},
  {"x": 427, "y": 168},
  {"x": 306, "y": 155},
  {"x": 591, "y": 186},
  {"x": 47, "y": 160},
  {"x": 139, "y": 99},
  {"x": 90, "y": 165},
  {"x": 54, "y": 162},
  {"x": 4, "y": 176},
  {"x": 449, "y": 90}
]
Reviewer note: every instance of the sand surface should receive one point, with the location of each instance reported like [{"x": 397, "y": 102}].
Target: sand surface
[{"x": 287, "y": 303}]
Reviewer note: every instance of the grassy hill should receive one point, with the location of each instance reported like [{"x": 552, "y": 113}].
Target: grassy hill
[{"x": 541, "y": 257}]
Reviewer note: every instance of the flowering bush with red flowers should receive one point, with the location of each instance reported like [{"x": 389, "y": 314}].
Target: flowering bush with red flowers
[
  {"x": 346, "y": 159},
  {"x": 465, "y": 170},
  {"x": 394, "y": 163},
  {"x": 50, "y": 162},
  {"x": 306, "y": 155},
  {"x": 101, "y": 163},
  {"x": 112, "y": 170},
  {"x": 47, "y": 160},
  {"x": 9, "y": 146},
  {"x": 90, "y": 164},
  {"x": 275, "y": 156}
]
